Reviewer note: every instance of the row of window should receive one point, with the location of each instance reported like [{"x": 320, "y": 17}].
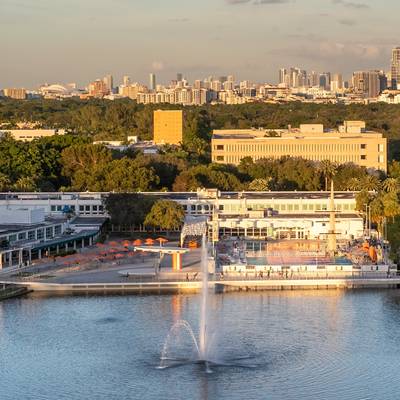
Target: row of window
[
  {"x": 83, "y": 209},
  {"x": 295, "y": 147},
  {"x": 204, "y": 208},
  {"x": 37, "y": 234}
]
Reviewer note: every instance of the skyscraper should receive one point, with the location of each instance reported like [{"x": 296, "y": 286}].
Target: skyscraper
[
  {"x": 282, "y": 76},
  {"x": 152, "y": 82},
  {"x": 395, "y": 68},
  {"x": 126, "y": 80},
  {"x": 366, "y": 83},
  {"x": 179, "y": 76},
  {"x": 336, "y": 82},
  {"x": 108, "y": 81}
]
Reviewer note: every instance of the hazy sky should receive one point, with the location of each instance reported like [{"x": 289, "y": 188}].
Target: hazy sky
[{"x": 81, "y": 40}]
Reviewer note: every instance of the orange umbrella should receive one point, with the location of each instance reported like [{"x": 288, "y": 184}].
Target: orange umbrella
[
  {"x": 126, "y": 243},
  {"x": 150, "y": 241},
  {"x": 161, "y": 240},
  {"x": 137, "y": 242}
]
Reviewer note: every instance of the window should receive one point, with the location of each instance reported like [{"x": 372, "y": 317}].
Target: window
[
  {"x": 363, "y": 157},
  {"x": 72, "y": 208},
  {"x": 193, "y": 207},
  {"x": 40, "y": 233},
  {"x": 381, "y": 159},
  {"x": 12, "y": 238},
  {"x": 381, "y": 147},
  {"x": 57, "y": 230},
  {"x": 101, "y": 208},
  {"x": 221, "y": 207},
  {"x": 22, "y": 236},
  {"x": 49, "y": 232},
  {"x": 87, "y": 208},
  {"x": 220, "y": 146},
  {"x": 363, "y": 146},
  {"x": 220, "y": 158},
  {"x": 53, "y": 208},
  {"x": 94, "y": 208},
  {"x": 81, "y": 208},
  {"x": 31, "y": 235}
]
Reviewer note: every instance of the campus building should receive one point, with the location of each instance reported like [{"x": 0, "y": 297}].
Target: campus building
[
  {"x": 350, "y": 143},
  {"x": 27, "y": 135},
  {"x": 168, "y": 127},
  {"x": 15, "y": 93}
]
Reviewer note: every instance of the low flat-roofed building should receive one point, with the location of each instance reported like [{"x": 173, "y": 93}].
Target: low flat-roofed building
[
  {"x": 350, "y": 143},
  {"x": 27, "y": 135}
]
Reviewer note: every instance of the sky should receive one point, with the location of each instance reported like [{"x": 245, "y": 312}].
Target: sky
[{"x": 62, "y": 41}]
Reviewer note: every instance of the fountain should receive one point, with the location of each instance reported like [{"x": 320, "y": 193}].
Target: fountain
[{"x": 201, "y": 348}]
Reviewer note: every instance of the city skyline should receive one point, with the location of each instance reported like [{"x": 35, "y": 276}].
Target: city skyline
[{"x": 133, "y": 38}]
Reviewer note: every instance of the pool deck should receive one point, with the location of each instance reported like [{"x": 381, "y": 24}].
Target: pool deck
[{"x": 220, "y": 286}]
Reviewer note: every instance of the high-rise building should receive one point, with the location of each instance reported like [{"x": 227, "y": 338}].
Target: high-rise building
[
  {"x": 179, "y": 76},
  {"x": 282, "y": 76},
  {"x": 336, "y": 82},
  {"x": 108, "y": 81},
  {"x": 15, "y": 93},
  {"x": 366, "y": 83},
  {"x": 126, "y": 80},
  {"x": 168, "y": 127},
  {"x": 152, "y": 81},
  {"x": 98, "y": 88},
  {"x": 395, "y": 68},
  {"x": 313, "y": 79}
]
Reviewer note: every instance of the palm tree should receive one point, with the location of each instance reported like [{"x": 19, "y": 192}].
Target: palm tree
[
  {"x": 391, "y": 185},
  {"x": 259, "y": 184},
  {"x": 370, "y": 183},
  {"x": 353, "y": 184},
  {"x": 328, "y": 170}
]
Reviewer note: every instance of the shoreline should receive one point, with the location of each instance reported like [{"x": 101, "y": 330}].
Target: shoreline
[{"x": 221, "y": 286}]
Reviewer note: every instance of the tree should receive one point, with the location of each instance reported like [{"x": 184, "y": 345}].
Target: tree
[
  {"x": 166, "y": 215},
  {"x": 328, "y": 170},
  {"x": 370, "y": 183},
  {"x": 391, "y": 185},
  {"x": 259, "y": 185},
  {"x": 128, "y": 208}
]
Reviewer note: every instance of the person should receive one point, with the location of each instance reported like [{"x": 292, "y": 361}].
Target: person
[{"x": 187, "y": 276}]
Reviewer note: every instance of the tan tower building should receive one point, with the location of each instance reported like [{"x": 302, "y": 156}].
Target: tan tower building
[{"x": 168, "y": 127}]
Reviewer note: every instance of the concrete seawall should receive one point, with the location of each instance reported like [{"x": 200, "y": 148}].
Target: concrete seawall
[{"x": 222, "y": 286}]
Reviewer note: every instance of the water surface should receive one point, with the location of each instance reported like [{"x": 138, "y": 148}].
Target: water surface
[{"x": 303, "y": 345}]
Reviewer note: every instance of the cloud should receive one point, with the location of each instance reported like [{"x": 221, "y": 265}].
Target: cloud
[
  {"x": 179, "y": 20},
  {"x": 347, "y": 22},
  {"x": 256, "y": 2},
  {"x": 235, "y": 2},
  {"x": 325, "y": 50},
  {"x": 157, "y": 65},
  {"x": 350, "y": 4}
]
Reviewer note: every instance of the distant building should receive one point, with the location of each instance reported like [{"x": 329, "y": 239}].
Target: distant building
[
  {"x": 351, "y": 143},
  {"x": 336, "y": 82},
  {"x": 27, "y": 135},
  {"x": 109, "y": 82},
  {"x": 152, "y": 81},
  {"x": 168, "y": 127},
  {"x": 15, "y": 93},
  {"x": 395, "y": 68},
  {"x": 98, "y": 88},
  {"x": 367, "y": 83}
]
